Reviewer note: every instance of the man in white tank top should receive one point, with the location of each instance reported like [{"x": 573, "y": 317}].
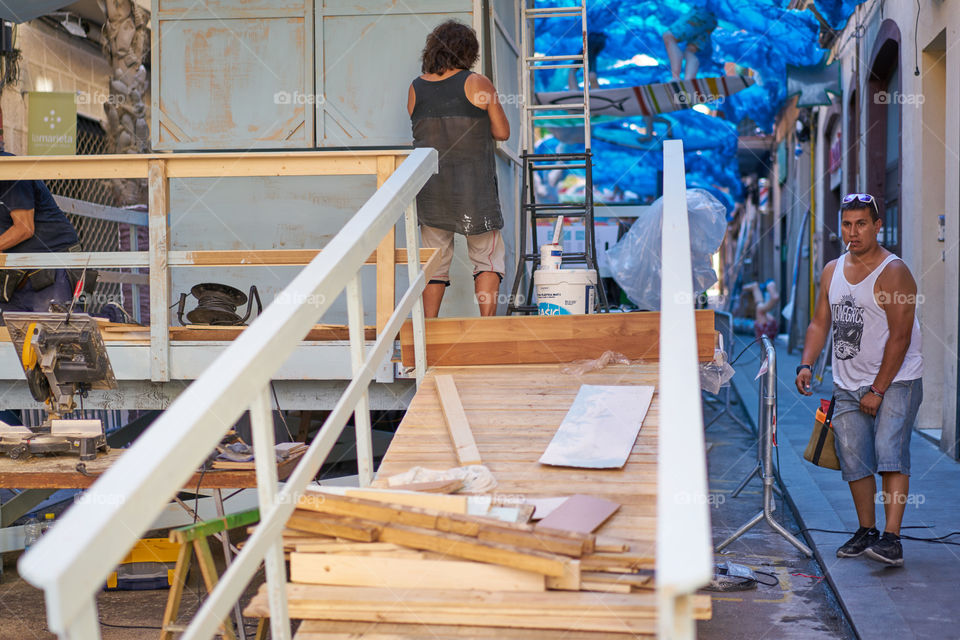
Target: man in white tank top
[{"x": 868, "y": 298}]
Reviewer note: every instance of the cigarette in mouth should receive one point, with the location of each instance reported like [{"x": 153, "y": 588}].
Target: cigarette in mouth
[{"x": 847, "y": 248}]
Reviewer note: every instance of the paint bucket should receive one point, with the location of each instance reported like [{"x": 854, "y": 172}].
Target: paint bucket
[
  {"x": 565, "y": 291},
  {"x": 551, "y": 256}
]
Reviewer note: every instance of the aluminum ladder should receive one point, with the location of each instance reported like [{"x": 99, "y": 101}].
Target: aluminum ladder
[{"x": 528, "y": 251}]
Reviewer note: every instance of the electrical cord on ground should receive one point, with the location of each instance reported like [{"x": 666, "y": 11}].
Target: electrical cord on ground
[
  {"x": 776, "y": 580},
  {"x": 128, "y": 626}
]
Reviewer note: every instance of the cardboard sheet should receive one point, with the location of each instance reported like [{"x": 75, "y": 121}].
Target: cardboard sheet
[{"x": 600, "y": 428}]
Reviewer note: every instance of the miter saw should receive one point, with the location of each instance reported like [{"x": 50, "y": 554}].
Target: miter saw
[{"x": 62, "y": 355}]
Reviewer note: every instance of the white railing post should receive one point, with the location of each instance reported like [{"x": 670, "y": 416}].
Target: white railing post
[
  {"x": 361, "y": 414},
  {"x": 264, "y": 443},
  {"x": 413, "y": 270},
  {"x": 684, "y": 551}
]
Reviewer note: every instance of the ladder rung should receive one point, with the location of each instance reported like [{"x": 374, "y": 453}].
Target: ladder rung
[
  {"x": 556, "y": 156},
  {"x": 554, "y": 107},
  {"x": 561, "y": 116},
  {"x": 534, "y": 67},
  {"x": 579, "y": 56},
  {"x": 551, "y": 10},
  {"x": 550, "y": 167},
  {"x": 559, "y": 206}
]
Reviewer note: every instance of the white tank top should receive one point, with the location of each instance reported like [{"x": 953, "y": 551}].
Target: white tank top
[{"x": 860, "y": 332}]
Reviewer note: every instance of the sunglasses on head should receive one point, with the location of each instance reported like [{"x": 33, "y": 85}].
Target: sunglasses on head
[{"x": 866, "y": 198}]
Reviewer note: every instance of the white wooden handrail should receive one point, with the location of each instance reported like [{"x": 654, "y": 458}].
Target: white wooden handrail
[
  {"x": 684, "y": 550},
  {"x": 71, "y": 563}
]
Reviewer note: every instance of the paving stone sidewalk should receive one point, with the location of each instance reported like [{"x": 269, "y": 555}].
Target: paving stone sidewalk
[{"x": 918, "y": 600}]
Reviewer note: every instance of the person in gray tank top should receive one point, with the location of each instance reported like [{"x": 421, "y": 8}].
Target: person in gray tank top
[
  {"x": 458, "y": 113},
  {"x": 868, "y": 298}
]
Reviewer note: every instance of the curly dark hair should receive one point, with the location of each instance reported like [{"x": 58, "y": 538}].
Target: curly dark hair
[{"x": 452, "y": 45}]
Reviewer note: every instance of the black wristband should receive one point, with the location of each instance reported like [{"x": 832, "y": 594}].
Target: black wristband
[{"x": 802, "y": 367}]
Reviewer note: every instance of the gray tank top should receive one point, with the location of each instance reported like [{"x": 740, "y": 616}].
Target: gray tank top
[{"x": 462, "y": 197}]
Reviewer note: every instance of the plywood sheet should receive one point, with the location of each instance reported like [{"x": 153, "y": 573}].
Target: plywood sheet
[
  {"x": 580, "y": 513},
  {"x": 600, "y": 428}
]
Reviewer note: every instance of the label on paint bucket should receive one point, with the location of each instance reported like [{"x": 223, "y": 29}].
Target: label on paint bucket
[{"x": 565, "y": 292}]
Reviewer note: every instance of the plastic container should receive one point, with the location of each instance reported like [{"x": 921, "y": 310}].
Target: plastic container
[
  {"x": 32, "y": 531},
  {"x": 562, "y": 292},
  {"x": 551, "y": 256},
  {"x": 47, "y": 522}
]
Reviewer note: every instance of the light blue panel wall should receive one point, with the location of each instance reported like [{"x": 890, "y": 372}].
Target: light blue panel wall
[
  {"x": 232, "y": 74},
  {"x": 288, "y": 212},
  {"x": 367, "y": 53}
]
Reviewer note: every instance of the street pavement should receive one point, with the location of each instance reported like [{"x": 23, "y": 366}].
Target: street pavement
[{"x": 918, "y": 600}]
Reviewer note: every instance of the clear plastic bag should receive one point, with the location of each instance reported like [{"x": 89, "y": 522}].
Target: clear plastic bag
[
  {"x": 635, "y": 259},
  {"x": 580, "y": 367}
]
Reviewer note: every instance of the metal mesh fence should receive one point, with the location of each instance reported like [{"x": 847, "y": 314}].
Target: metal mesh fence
[{"x": 95, "y": 234}]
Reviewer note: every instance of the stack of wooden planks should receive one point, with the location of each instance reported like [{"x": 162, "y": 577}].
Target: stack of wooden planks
[{"x": 392, "y": 557}]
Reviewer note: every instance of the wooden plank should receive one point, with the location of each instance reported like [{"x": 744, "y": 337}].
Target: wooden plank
[
  {"x": 477, "y": 550},
  {"x": 522, "y": 339},
  {"x": 386, "y": 255},
  {"x": 405, "y": 573},
  {"x": 197, "y": 165},
  {"x": 433, "y": 501},
  {"x": 440, "y": 486},
  {"x": 634, "y": 612},
  {"x": 159, "y": 229},
  {"x": 349, "y": 528},
  {"x": 519, "y": 535},
  {"x": 349, "y": 630},
  {"x": 463, "y": 443}
]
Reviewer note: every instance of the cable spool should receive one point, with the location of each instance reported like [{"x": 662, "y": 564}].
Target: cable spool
[{"x": 217, "y": 305}]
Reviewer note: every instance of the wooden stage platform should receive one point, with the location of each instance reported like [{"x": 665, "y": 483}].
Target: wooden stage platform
[{"x": 513, "y": 412}]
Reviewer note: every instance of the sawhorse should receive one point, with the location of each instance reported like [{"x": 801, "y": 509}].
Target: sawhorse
[{"x": 194, "y": 538}]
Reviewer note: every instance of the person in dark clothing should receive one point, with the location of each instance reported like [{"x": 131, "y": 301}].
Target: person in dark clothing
[
  {"x": 31, "y": 222},
  {"x": 458, "y": 113}
]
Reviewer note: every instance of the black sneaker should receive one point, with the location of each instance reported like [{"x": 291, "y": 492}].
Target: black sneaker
[
  {"x": 887, "y": 550},
  {"x": 859, "y": 543}
]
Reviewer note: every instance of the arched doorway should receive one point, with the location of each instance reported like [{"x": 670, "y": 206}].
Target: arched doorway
[{"x": 883, "y": 132}]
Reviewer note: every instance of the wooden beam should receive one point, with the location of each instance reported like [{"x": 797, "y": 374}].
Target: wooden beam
[
  {"x": 458, "y": 427},
  {"x": 408, "y": 573},
  {"x": 197, "y": 165},
  {"x": 386, "y": 256},
  {"x": 547, "y": 339},
  {"x": 207, "y": 258},
  {"x": 159, "y": 229}
]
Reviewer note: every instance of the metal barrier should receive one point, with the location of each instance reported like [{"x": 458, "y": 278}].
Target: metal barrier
[
  {"x": 767, "y": 422},
  {"x": 684, "y": 557},
  {"x": 72, "y": 561}
]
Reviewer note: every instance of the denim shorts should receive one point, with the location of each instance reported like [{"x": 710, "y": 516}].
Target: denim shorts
[{"x": 866, "y": 444}]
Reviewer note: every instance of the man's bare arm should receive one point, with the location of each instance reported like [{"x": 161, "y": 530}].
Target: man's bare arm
[
  {"x": 897, "y": 296},
  {"x": 22, "y": 229},
  {"x": 817, "y": 329}
]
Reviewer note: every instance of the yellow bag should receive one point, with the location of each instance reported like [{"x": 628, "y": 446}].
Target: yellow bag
[{"x": 822, "y": 448}]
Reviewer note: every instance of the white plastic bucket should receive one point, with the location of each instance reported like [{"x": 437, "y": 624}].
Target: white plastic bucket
[
  {"x": 564, "y": 291},
  {"x": 551, "y": 256}
]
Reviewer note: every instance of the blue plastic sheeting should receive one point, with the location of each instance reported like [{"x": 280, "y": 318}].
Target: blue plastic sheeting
[
  {"x": 762, "y": 35},
  {"x": 837, "y": 12}
]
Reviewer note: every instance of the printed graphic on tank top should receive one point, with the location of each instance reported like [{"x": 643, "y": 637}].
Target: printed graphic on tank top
[{"x": 847, "y": 327}]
